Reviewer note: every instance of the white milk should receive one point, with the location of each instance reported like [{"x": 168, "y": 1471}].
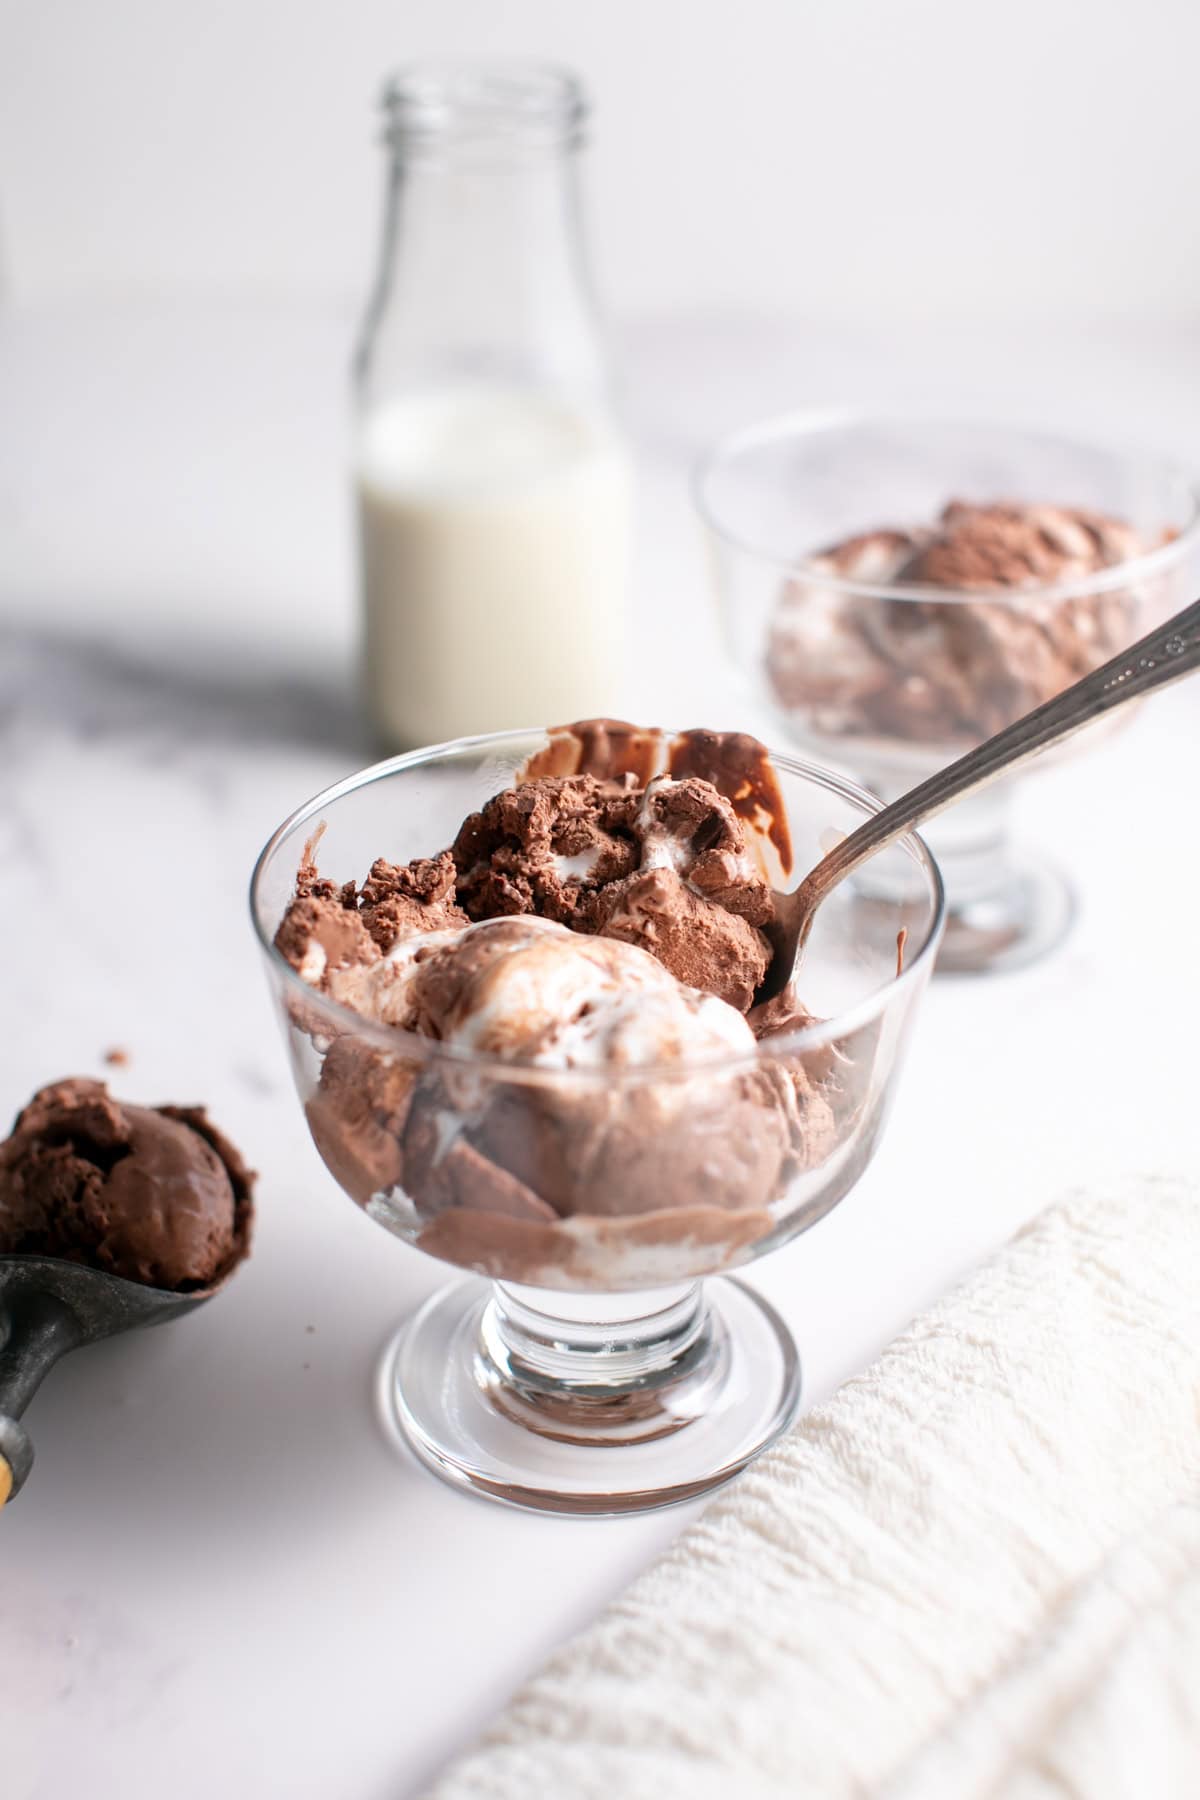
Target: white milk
[{"x": 495, "y": 537}]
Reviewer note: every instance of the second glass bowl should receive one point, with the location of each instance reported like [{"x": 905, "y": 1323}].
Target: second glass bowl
[
  {"x": 588, "y": 1366},
  {"x": 895, "y": 678}
]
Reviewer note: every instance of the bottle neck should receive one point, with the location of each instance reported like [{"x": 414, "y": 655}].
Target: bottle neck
[{"x": 482, "y": 277}]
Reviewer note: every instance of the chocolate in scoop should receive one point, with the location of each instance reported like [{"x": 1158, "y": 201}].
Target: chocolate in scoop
[
  {"x": 153, "y": 1194},
  {"x": 111, "y": 1217}
]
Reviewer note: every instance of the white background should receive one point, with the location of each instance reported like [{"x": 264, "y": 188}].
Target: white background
[
  {"x": 220, "y": 1577},
  {"x": 838, "y": 159}
]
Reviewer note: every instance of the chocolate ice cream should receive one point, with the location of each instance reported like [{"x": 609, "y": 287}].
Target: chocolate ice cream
[
  {"x": 585, "y": 957},
  {"x": 663, "y": 866},
  {"x": 358, "y": 1113},
  {"x": 533, "y": 994},
  {"x": 533, "y": 1002},
  {"x": 956, "y": 670},
  {"x": 154, "y": 1194}
]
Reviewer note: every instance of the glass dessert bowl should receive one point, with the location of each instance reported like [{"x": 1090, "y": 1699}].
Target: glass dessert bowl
[
  {"x": 898, "y": 590},
  {"x": 597, "y": 1139}
]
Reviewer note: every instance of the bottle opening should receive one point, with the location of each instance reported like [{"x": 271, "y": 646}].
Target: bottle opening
[{"x": 468, "y": 112}]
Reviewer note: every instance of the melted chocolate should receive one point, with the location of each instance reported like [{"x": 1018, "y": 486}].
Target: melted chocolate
[
  {"x": 605, "y": 748},
  {"x": 738, "y": 766}
]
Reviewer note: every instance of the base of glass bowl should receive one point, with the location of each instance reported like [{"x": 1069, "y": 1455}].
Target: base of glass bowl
[{"x": 590, "y": 1404}]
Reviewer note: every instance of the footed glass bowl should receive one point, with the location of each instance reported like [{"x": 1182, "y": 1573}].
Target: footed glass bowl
[
  {"x": 892, "y": 661},
  {"x": 598, "y": 1359}
]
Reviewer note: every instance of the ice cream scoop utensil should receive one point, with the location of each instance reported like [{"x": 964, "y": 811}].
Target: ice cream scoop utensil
[
  {"x": 1163, "y": 656},
  {"x": 47, "y": 1307}
]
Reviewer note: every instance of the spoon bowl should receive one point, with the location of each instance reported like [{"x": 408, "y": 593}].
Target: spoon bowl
[{"x": 49, "y": 1306}]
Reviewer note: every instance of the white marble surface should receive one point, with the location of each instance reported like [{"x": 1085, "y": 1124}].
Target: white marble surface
[{"x": 220, "y": 1574}]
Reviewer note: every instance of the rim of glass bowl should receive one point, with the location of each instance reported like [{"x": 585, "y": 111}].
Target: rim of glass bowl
[
  {"x": 811, "y": 424},
  {"x": 411, "y": 1043}
]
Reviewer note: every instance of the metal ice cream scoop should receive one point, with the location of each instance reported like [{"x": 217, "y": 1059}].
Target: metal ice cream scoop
[
  {"x": 1168, "y": 653},
  {"x": 49, "y": 1306}
]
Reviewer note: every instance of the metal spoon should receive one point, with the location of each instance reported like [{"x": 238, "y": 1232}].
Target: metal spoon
[
  {"x": 49, "y": 1306},
  {"x": 1168, "y": 653}
]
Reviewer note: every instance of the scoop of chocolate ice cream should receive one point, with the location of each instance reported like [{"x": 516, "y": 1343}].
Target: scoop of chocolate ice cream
[
  {"x": 666, "y": 868},
  {"x": 328, "y": 929},
  {"x": 154, "y": 1194},
  {"x": 1006, "y": 546},
  {"x": 587, "y": 1105},
  {"x": 548, "y": 847},
  {"x": 525, "y": 994},
  {"x": 358, "y": 1113},
  {"x": 696, "y": 902},
  {"x": 702, "y": 945},
  {"x": 322, "y": 929},
  {"x": 715, "y": 1141},
  {"x": 960, "y": 669},
  {"x": 527, "y": 990},
  {"x": 400, "y": 899},
  {"x": 358, "y": 946}
]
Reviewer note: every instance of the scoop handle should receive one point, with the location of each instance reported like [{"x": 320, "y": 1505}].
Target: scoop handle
[{"x": 39, "y": 1329}]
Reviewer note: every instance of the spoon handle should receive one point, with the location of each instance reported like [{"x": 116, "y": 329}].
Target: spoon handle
[
  {"x": 1163, "y": 656},
  {"x": 40, "y": 1329}
]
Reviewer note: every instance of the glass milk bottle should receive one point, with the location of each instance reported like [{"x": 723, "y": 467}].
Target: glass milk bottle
[{"x": 493, "y": 484}]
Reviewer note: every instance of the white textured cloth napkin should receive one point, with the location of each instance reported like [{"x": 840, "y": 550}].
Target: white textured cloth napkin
[{"x": 974, "y": 1572}]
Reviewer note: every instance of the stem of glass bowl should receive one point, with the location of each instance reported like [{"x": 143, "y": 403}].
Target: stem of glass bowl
[
  {"x": 601, "y": 1369},
  {"x": 1004, "y": 910},
  {"x": 585, "y": 1403},
  {"x": 970, "y": 842}
]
